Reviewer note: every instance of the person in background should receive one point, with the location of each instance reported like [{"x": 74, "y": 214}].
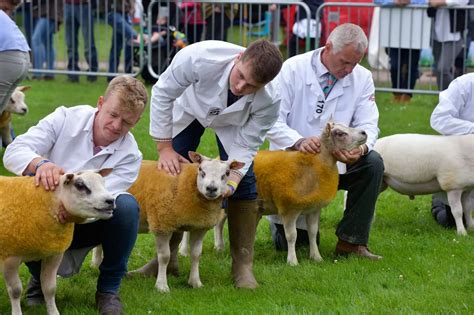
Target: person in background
[
  {"x": 14, "y": 52},
  {"x": 454, "y": 115},
  {"x": 80, "y": 14}
]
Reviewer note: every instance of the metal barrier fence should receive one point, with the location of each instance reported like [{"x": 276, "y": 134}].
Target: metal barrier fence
[{"x": 112, "y": 43}]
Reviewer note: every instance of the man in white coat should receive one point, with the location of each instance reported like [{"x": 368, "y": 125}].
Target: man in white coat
[
  {"x": 454, "y": 115},
  {"x": 225, "y": 87},
  {"x": 324, "y": 83},
  {"x": 80, "y": 138}
]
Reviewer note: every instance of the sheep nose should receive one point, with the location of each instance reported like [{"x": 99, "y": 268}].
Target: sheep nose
[
  {"x": 24, "y": 110},
  {"x": 110, "y": 201},
  {"x": 211, "y": 189},
  {"x": 363, "y": 133}
]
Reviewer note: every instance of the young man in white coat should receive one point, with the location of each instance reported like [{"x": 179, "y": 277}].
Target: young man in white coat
[
  {"x": 324, "y": 83},
  {"x": 80, "y": 138},
  {"x": 219, "y": 85},
  {"x": 454, "y": 115}
]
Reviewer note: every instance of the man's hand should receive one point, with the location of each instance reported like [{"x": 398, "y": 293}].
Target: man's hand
[
  {"x": 48, "y": 175},
  {"x": 310, "y": 145},
  {"x": 228, "y": 192},
  {"x": 169, "y": 161},
  {"x": 348, "y": 157},
  {"x": 402, "y": 3},
  {"x": 437, "y": 3}
]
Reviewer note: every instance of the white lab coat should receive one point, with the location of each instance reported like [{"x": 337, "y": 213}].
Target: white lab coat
[
  {"x": 195, "y": 86},
  {"x": 351, "y": 101},
  {"x": 454, "y": 115},
  {"x": 65, "y": 138}
]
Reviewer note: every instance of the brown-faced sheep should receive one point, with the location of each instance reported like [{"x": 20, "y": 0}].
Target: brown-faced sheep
[
  {"x": 30, "y": 229},
  {"x": 291, "y": 183},
  {"x": 191, "y": 202}
]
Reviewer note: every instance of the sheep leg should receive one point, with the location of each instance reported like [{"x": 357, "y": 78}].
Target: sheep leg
[
  {"x": 454, "y": 199},
  {"x": 6, "y": 136},
  {"x": 97, "y": 256},
  {"x": 289, "y": 223},
  {"x": 219, "y": 235},
  {"x": 184, "y": 245},
  {"x": 196, "y": 238},
  {"x": 49, "y": 269},
  {"x": 163, "y": 252},
  {"x": 312, "y": 223},
  {"x": 468, "y": 205},
  {"x": 13, "y": 282}
]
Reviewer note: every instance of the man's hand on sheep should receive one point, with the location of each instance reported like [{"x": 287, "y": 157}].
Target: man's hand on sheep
[
  {"x": 349, "y": 157},
  {"x": 47, "y": 173},
  {"x": 309, "y": 145},
  {"x": 169, "y": 159}
]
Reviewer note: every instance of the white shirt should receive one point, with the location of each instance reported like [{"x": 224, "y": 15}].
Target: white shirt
[
  {"x": 454, "y": 115},
  {"x": 65, "y": 138},
  {"x": 303, "y": 113},
  {"x": 195, "y": 86},
  {"x": 442, "y": 31}
]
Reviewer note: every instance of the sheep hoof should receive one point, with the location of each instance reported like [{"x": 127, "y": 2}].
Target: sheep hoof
[
  {"x": 292, "y": 262},
  {"x": 462, "y": 232},
  {"x": 163, "y": 288},
  {"x": 195, "y": 284},
  {"x": 316, "y": 258},
  {"x": 219, "y": 248}
]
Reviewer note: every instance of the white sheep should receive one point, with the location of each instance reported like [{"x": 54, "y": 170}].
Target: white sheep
[
  {"x": 191, "y": 201},
  {"x": 291, "y": 183},
  {"x": 425, "y": 164},
  {"x": 15, "y": 105},
  {"x": 30, "y": 229}
]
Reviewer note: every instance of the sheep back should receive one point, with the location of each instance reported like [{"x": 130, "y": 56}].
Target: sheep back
[
  {"x": 28, "y": 226},
  {"x": 291, "y": 180},
  {"x": 173, "y": 203}
]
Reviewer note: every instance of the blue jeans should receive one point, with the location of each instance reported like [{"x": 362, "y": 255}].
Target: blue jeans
[
  {"x": 75, "y": 16},
  {"x": 43, "y": 45},
  {"x": 122, "y": 33},
  {"x": 117, "y": 236},
  {"x": 404, "y": 67},
  {"x": 188, "y": 140}
]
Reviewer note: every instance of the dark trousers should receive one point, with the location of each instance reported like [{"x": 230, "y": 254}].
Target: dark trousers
[
  {"x": 188, "y": 140},
  {"x": 362, "y": 182},
  {"x": 404, "y": 67},
  {"x": 117, "y": 237}
]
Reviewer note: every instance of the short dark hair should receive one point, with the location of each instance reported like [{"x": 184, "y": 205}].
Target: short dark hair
[{"x": 265, "y": 60}]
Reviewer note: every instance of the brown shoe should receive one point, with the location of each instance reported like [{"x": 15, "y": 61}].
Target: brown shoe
[
  {"x": 344, "y": 248},
  {"x": 108, "y": 303}
]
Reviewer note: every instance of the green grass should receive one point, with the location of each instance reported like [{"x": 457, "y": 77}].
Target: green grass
[{"x": 426, "y": 269}]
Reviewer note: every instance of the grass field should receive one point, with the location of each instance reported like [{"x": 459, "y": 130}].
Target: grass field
[{"x": 426, "y": 269}]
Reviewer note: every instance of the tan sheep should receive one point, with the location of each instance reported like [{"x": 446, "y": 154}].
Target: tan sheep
[
  {"x": 30, "y": 229},
  {"x": 291, "y": 183},
  {"x": 169, "y": 205}
]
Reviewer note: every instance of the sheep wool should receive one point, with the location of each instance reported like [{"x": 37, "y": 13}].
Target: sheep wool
[
  {"x": 295, "y": 181},
  {"x": 30, "y": 228},
  {"x": 173, "y": 203}
]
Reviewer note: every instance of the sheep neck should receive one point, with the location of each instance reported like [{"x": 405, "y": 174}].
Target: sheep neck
[
  {"x": 327, "y": 146},
  {"x": 59, "y": 209}
]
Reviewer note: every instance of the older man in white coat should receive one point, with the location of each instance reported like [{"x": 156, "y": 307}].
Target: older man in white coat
[
  {"x": 454, "y": 115},
  {"x": 324, "y": 83},
  {"x": 219, "y": 85}
]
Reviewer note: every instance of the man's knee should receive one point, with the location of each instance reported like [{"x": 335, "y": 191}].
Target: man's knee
[{"x": 126, "y": 209}]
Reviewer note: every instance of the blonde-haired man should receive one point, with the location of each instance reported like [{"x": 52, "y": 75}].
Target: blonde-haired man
[{"x": 78, "y": 138}]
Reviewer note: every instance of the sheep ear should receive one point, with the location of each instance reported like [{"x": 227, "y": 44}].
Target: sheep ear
[
  {"x": 195, "y": 157},
  {"x": 328, "y": 128},
  {"x": 105, "y": 171},
  {"x": 69, "y": 178},
  {"x": 24, "y": 88},
  {"x": 236, "y": 165}
]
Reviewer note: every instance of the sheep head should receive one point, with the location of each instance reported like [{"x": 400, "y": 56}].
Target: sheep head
[
  {"x": 84, "y": 195},
  {"x": 213, "y": 174},
  {"x": 16, "y": 104},
  {"x": 342, "y": 137}
]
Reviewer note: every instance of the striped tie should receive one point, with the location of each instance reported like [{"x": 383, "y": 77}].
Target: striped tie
[{"x": 329, "y": 82}]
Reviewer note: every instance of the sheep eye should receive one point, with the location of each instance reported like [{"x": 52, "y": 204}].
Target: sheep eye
[
  {"x": 202, "y": 174},
  {"x": 79, "y": 184},
  {"x": 12, "y": 100},
  {"x": 227, "y": 173},
  {"x": 223, "y": 177}
]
